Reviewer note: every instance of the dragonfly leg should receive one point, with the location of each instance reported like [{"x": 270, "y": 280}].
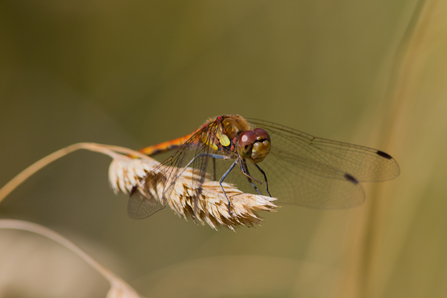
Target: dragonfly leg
[
  {"x": 214, "y": 156},
  {"x": 265, "y": 178},
  {"x": 189, "y": 163},
  {"x": 222, "y": 179},
  {"x": 245, "y": 171}
]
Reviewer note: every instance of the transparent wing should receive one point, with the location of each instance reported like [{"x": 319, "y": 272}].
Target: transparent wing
[
  {"x": 140, "y": 206},
  {"x": 329, "y": 158}
]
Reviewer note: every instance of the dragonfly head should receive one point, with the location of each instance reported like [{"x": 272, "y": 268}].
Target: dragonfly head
[{"x": 254, "y": 144}]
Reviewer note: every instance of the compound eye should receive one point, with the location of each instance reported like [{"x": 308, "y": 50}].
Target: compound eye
[
  {"x": 246, "y": 140},
  {"x": 262, "y": 133}
]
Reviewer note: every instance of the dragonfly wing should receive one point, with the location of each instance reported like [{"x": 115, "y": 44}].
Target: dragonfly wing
[
  {"x": 320, "y": 173},
  {"x": 140, "y": 206},
  {"x": 330, "y": 158},
  {"x": 296, "y": 184},
  {"x": 293, "y": 185}
]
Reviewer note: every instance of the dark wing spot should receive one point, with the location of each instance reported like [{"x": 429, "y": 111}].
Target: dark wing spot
[
  {"x": 384, "y": 154},
  {"x": 351, "y": 178},
  {"x": 133, "y": 190}
]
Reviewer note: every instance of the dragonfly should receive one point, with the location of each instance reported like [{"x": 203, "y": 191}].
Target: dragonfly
[{"x": 266, "y": 158}]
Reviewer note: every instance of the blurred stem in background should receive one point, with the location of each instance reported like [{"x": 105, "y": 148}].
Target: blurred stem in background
[{"x": 377, "y": 240}]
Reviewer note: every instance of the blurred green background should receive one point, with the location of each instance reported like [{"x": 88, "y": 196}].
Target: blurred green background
[{"x": 135, "y": 73}]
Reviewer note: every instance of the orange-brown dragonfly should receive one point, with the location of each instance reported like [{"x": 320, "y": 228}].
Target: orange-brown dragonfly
[{"x": 295, "y": 167}]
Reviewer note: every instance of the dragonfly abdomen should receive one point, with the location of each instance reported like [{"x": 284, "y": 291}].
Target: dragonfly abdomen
[{"x": 166, "y": 146}]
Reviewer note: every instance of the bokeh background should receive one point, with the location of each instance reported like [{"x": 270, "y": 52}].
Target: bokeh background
[{"x": 135, "y": 73}]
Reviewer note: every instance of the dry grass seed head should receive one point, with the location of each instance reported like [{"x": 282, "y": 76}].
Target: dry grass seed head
[{"x": 125, "y": 173}]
